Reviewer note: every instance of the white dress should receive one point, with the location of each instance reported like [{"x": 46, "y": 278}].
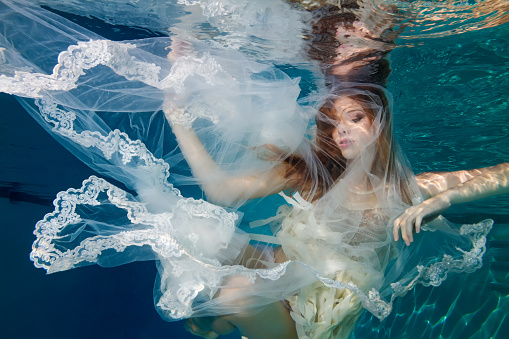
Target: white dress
[{"x": 319, "y": 310}]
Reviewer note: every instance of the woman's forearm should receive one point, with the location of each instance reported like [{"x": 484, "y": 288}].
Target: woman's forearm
[
  {"x": 483, "y": 183},
  {"x": 212, "y": 180},
  {"x": 491, "y": 181},
  {"x": 199, "y": 160},
  {"x": 218, "y": 186}
]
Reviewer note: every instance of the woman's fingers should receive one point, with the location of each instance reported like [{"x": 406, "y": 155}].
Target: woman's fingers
[
  {"x": 418, "y": 222},
  {"x": 395, "y": 229},
  {"x": 413, "y": 223},
  {"x": 406, "y": 230},
  {"x": 413, "y": 216},
  {"x": 406, "y": 223}
]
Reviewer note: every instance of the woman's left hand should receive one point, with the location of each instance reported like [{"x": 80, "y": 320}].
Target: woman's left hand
[{"x": 413, "y": 217}]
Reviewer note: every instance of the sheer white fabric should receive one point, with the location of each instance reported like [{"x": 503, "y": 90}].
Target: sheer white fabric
[{"x": 103, "y": 100}]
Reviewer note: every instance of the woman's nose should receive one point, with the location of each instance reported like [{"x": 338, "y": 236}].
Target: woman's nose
[{"x": 342, "y": 129}]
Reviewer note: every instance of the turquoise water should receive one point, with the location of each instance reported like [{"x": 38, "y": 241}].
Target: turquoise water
[{"x": 451, "y": 112}]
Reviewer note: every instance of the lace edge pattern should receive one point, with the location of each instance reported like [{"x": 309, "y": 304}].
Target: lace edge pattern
[
  {"x": 46, "y": 255},
  {"x": 467, "y": 261},
  {"x": 159, "y": 237},
  {"x": 115, "y": 142},
  {"x": 73, "y": 63}
]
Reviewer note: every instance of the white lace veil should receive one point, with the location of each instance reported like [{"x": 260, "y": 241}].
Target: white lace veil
[{"x": 103, "y": 100}]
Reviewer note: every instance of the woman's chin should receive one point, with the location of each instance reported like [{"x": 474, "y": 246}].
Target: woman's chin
[{"x": 349, "y": 153}]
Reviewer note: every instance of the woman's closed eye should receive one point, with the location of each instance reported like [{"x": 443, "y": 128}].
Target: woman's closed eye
[{"x": 357, "y": 118}]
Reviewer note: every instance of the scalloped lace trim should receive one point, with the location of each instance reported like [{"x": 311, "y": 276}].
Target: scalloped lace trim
[
  {"x": 436, "y": 273},
  {"x": 73, "y": 63},
  {"x": 115, "y": 142},
  {"x": 46, "y": 255}
]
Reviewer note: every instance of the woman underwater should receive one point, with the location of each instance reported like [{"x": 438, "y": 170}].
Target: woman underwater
[
  {"x": 356, "y": 205},
  {"x": 333, "y": 253},
  {"x": 352, "y": 189}
]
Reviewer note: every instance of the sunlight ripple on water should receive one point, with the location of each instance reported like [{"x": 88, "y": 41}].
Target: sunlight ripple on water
[
  {"x": 423, "y": 19},
  {"x": 449, "y": 17}
]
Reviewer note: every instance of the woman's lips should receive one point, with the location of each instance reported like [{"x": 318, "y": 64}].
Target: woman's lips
[{"x": 343, "y": 143}]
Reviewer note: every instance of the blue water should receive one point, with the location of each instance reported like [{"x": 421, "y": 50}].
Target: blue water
[{"x": 451, "y": 112}]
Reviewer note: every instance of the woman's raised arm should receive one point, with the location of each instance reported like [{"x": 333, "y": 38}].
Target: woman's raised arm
[
  {"x": 449, "y": 188},
  {"x": 222, "y": 188}
]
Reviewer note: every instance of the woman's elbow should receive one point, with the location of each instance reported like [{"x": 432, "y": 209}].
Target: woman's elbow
[{"x": 220, "y": 195}]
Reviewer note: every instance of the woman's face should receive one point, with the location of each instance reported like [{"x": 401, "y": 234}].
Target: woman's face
[{"x": 353, "y": 130}]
